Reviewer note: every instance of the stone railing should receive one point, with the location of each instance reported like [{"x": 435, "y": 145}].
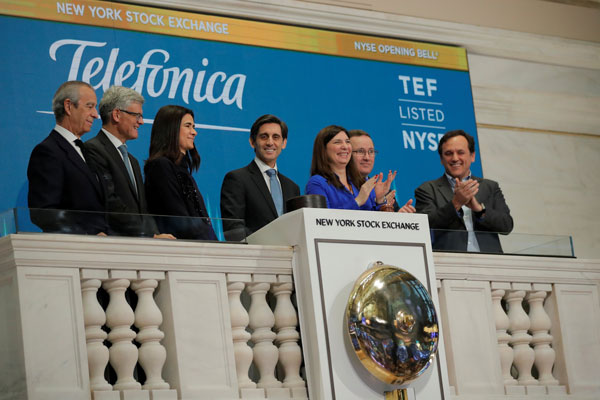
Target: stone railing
[
  {"x": 85, "y": 317},
  {"x": 520, "y": 327},
  {"x": 181, "y": 320}
]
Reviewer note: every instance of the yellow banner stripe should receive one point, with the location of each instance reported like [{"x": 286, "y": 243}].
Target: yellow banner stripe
[{"x": 232, "y": 30}]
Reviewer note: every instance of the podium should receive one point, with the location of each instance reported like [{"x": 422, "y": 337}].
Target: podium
[{"x": 331, "y": 249}]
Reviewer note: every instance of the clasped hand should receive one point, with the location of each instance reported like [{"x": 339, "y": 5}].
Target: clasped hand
[{"x": 464, "y": 194}]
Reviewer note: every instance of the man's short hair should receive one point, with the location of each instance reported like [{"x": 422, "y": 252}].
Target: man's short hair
[
  {"x": 68, "y": 90},
  {"x": 358, "y": 132},
  {"x": 117, "y": 97},
  {"x": 267, "y": 119},
  {"x": 459, "y": 132}
]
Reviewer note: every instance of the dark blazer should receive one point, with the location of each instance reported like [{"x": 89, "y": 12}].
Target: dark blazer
[
  {"x": 245, "y": 196},
  {"x": 59, "y": 179},
  {"x": 172, "y": 190},
  {"x": 434, "y": 198},
  {"x": 121, "y": 196}
]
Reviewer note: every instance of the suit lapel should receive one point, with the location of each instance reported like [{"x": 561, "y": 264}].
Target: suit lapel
[
  {"x": 77, "y": 161},
  {"x": 260, "y": 183},
  {"x": 114, "y": 154},
  {"x": 444, "y": 187},
  {"x": 482, "y": 194}
]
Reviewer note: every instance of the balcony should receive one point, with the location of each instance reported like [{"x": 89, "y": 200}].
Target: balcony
[{"x": 89, "y": 317}]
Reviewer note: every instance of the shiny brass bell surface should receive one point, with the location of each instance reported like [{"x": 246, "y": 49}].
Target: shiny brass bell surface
[{"x": 392, "y": 324}]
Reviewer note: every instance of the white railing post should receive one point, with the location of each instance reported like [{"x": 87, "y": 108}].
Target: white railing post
[
  {"x": 148, "y": 318},
  {"x": 520, "y": 339},
  {"x": 119, "y": 318},
  {"x": 262, "y": 320},
  {"x": 540, "y": 327},
  {"x": 502, "y": 324},
  {"x": 239, "y": 322},
  {"x": 286, "y": 320},
  {"x": 94, "y": 318}
]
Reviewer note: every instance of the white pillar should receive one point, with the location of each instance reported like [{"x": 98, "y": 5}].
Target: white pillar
[
  {"x": 540, "y": 326},
  {"x": 286, "y": 320},
  {"x": 148, "y": 318},
  {"x": 119, "y": 318},
  {"x": 261, "y": 322},
  {"x": 502, "y": 324},
  {"x": 94, "y": 318},
  {"x": 239, "y": 322},
  {"x": 519, "y": 324}
]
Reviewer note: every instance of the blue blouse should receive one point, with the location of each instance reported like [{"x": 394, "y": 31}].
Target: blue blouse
[{"x": 339, "y": 198}]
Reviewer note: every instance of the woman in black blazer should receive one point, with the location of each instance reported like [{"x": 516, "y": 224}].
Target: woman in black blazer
[{"x": 170, "y": 187}]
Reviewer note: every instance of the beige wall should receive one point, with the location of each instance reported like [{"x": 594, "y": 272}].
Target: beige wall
[
  {"x": 571, "y": 19},
  {"x": 536, "y": 90}
]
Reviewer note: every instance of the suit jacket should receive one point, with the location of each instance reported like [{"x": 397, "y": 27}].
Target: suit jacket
[
  {"x": 434, "y": 198},
  {"x": 122, "y": 197},
  {"x": 172, "y": 190},
  {"x": 59, "y": 179},
  {"x": 245, "y": 196}
]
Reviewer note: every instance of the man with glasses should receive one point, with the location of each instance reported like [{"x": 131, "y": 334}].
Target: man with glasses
[
  {"x": 121, "y": 114},
  {"x": 363, "y": 156},
  {"x": 61, "y": 181}
]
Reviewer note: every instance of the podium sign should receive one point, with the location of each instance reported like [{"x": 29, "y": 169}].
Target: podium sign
[{"x": 332, "y": 249}]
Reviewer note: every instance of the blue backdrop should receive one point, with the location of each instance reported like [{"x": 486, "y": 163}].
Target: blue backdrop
[{"x": 404, "y": 107}]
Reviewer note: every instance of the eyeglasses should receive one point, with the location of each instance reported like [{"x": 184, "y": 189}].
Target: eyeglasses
[
  {"x": 363, "y": 152},
  {"x": 137, "y": 116}
]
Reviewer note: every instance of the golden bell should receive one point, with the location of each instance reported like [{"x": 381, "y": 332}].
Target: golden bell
[{"x": 392, "y": 324}]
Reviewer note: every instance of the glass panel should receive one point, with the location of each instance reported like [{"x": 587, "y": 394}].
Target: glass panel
[
  {"x": 20, "y": 220},
  {"x": 498, "y": 243}
]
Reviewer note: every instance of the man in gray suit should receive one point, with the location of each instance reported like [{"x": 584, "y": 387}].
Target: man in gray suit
[
  {"x": 121, "y": 114},
  {"x": 471, "y": 210},
  {"x": 257, "y": 193}
]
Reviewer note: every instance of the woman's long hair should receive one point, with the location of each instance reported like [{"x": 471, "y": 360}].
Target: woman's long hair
[
  {"x": 321, "y": 164},
  {"x": 164, "y": 139}
]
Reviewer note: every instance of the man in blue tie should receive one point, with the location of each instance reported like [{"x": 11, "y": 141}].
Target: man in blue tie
[
  {"x": 257, "y": 193},
  {"x": 121, "y": 114},
  {"x": 468, "y": 212}
]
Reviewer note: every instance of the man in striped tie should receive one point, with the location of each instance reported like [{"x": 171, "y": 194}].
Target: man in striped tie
[{"x": 122, "y": 115}]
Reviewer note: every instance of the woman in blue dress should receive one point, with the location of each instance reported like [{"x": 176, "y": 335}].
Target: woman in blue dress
[{"x": 338, "y": 179}]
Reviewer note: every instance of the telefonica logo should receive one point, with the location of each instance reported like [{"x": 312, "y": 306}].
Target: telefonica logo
[{"x": 153, "y": 77}]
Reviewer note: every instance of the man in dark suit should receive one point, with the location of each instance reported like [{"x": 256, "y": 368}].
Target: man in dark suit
[
  {"x": 460, "y": 202},
  {"x": 60, "y": 178},
  {"x": 257, "y": 193},
  {"x": 121, "y": 113}
]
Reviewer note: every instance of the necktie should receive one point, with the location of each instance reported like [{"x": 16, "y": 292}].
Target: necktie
[
  {"x": 276, "y": 191},
  {"x": 80, "y": 144},
  {"x": 123, "y": 150}
]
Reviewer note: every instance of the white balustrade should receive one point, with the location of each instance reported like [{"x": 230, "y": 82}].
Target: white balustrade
[
  {"x": 262, "y": 321},
  {"x": 560, "y": 335},
  {"x": 94, "y": 318},
  {"x": 239, "y": 322},
  {"x": 520, "y": 339},
  {"x": 286, "y": 320},
  {"x": 502, "y": 325},
  {"x": 541, "y": 340},
  {"x": 119, "y": 318},
  {"x": 148, "y": 318}
]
